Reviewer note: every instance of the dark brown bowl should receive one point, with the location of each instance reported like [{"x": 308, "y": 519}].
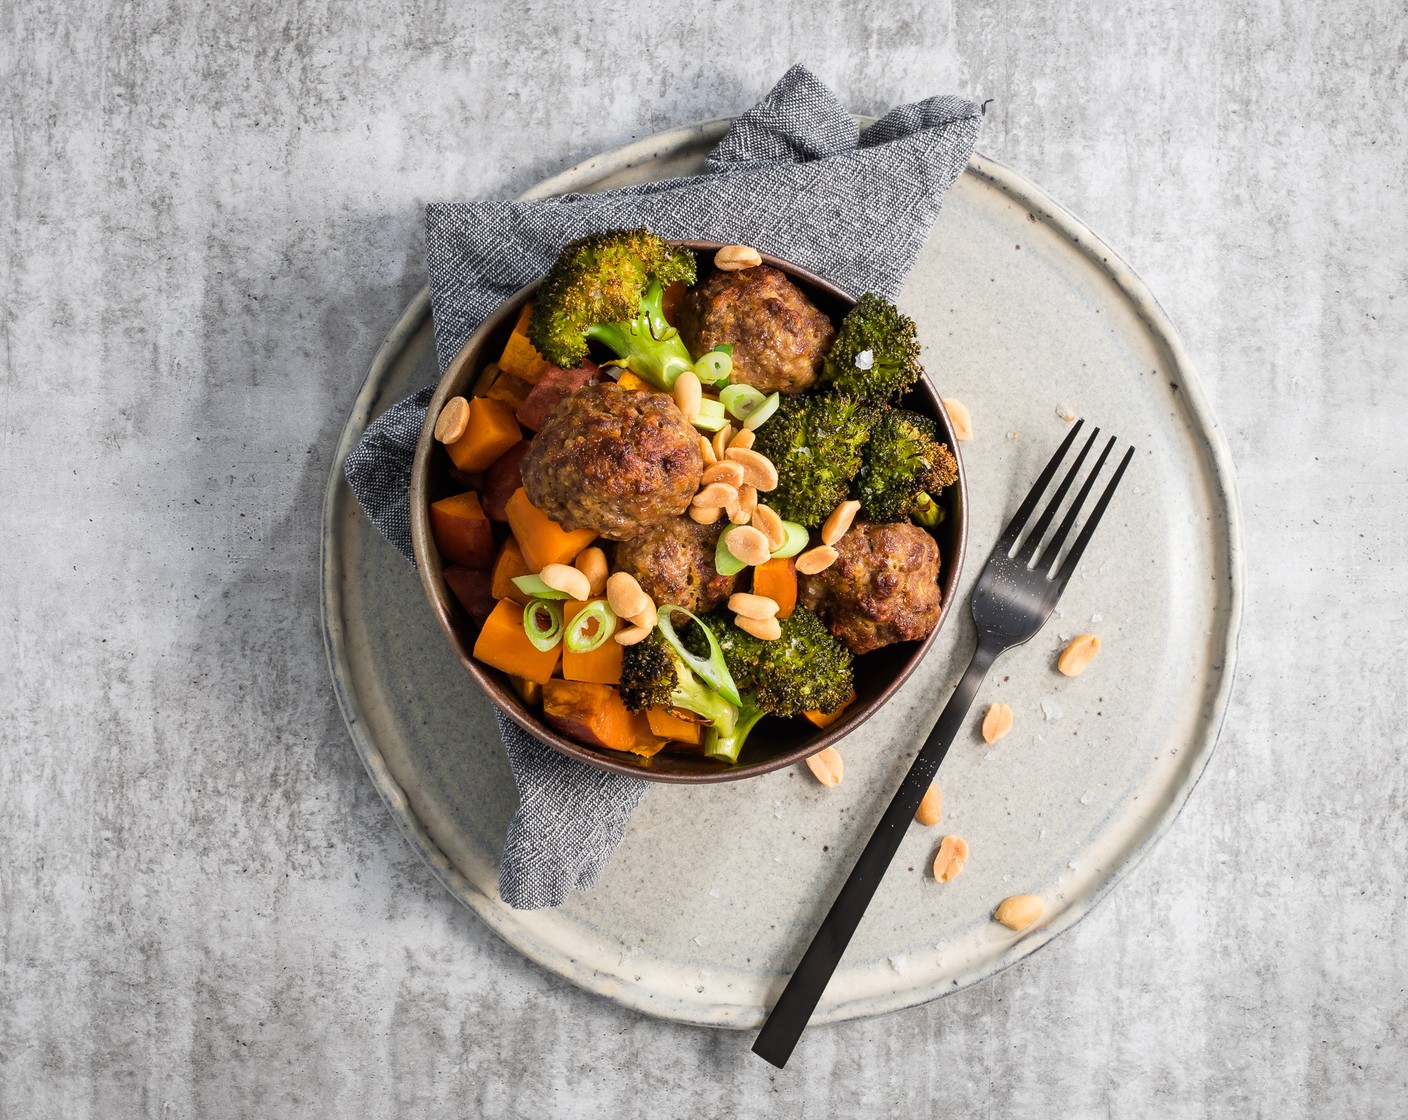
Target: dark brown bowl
[{"x": 773, "y": 743}]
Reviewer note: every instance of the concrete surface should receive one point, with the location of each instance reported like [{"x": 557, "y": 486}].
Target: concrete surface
[{"x": 210, "y": 214}]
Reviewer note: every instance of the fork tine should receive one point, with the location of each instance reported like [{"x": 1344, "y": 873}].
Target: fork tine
[
  {"x": 1033, "y": 541},
  {"x": 1073, "y": 557},
  {"x": 1024, "y": 511},
  {"x": 1053, "y": 548}
]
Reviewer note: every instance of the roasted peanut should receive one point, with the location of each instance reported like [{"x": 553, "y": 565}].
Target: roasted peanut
[
  {"x": 757, "y": 468},
  {"x": 705, "y": 516},
  {"x": 931, "y": 808},
  {"x": 717, "y": 495},
  {"x": 826, "y": 766},
  {"x": 997, "y": 722},
  {"x": 1079, "y": 654},
  {"x": 630, "y": 635},
  {"x": 743, "y": 439},
  {"x": 727, "y": 471},
  {"x": 1019, "y": 911},
  {"x": 736, "y": 513},
  {"x": 625, "y": 596},
  {"x": 569, "y": 581},
  {"x": 453, "y": 420},
  {"x": 950, "y": 858},
  {"x": 648, "y": 617},
  {"x": 816, "y": 559},
  {"x": 766, "y": 520},
  {"x": 767, "y": 629},
  {"x": 706, "y": 452},
  {"x": 839, "y": 523},
  {"x": 752, "y": 606},
  {"x": 748, "y": 544},
  {"x": 732, "y": 258},
  {"x": 720, "y": 442},
  {"x": 961, "y": 417},
  {"x": 591, "y": 562},
  {"x": 747, "y": 501},
  {"x": 688, "y": 393}
]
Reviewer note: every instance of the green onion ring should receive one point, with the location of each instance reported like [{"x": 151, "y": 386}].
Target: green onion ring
[
  {"x": 597, "y": 611},
  {"x": 740, "y": 400},
  {"x": 535, "y": 588},
  {"x": 714, "y": 367},
  {"x": 543, "y": 638},
  {"x": 757, "y": 417},
  {"x": 712, "y": 669}
]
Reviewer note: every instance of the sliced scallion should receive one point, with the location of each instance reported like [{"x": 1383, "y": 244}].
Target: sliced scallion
[
  {"x": 543, "y": 635},
  {"x": 578, "y": 639},
  {"x": 740, "y": 400},
  {"x": 759, "y": 416},
  {"x": 715, "y": 366},
  {"x": 712, "y": 668},
  {"x": 535, "y": 588},
  {"x": 797, "y": 539},
  {"x": 711, "y": 416},
  {"x": 725, "y": 562}
]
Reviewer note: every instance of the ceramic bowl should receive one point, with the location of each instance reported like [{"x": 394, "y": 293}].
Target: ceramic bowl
[{"x": 774, "y": 742}]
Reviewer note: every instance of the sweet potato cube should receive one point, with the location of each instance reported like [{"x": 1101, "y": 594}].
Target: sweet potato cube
[
  {"x": 542, "y": 539},
  {"x": 504, "y": 644},
  {"x": 590, "y": 713},
  {"x": 473, "y": 588},
  {"x": 510, "y": 563},
  {"x": 502, "y": 479},
  {"x": 554, "y": 385},
  {"x": 601, "y": 666},
  {"x": 462, "y": 532},
  {"x": 667, "y": 725},
  {"x": 491, "y": 431},
  {"x": 826, "y": 719},
  {"x": 519, "y": 358},
  {"x": 512, "y": 391},
  {"x": 629, "y": 380},
  {"x": 777, "y": 579}
]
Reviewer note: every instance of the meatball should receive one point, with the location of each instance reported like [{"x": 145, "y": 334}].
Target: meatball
[
  {"x": 674, "y": 563},
  {"x": 882, "y": 588},
  {"x": 779, "y": 337},
  {"x": 613, "y": 460}
]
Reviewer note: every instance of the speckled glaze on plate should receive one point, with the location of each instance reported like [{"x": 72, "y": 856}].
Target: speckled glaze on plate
[{"x": 716, "y": 889}]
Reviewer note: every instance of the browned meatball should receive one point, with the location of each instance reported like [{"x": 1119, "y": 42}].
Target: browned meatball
[
  {"x": 779, "y": 338},
  {"x": 674, "y": 563},
  {"x": 882, "y": 588},
  {"x": 613, "y": 460}
]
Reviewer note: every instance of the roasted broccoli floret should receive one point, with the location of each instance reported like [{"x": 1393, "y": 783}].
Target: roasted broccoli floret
[
  {"x": 815, "y": 442},
  {"x": 876, "y": 352},
  {"x": 653, "y": 675},
  {"x": 609, "y": 287},
  {"x": 804, "y": 670},
  {"x": 903, "y": 468}
]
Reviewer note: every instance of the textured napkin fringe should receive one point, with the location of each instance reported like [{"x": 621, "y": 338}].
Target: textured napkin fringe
[{"x": 793, "y": 176}]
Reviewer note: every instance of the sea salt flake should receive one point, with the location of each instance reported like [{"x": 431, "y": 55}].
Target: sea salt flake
[
  {"x": 899, "y": 962},
  {"x": 1041, "y": 835},
  {"x": 989, "y": 755},
  {"x": 699, "y": 940},
  {"x": 1050, "y": 711},
  {"x": 1087, "y": 797},
  {"x": 713, "y": 892},
  {"x": 1071, "y": 864},
  {"x": 865, "y": 359},
  {"x": 1097, "y": 617}
]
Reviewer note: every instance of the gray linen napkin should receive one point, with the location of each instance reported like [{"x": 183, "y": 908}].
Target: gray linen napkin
[{"x": 794, "y": 176}]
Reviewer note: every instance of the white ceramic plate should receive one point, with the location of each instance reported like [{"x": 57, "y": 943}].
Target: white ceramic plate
[{"x": 716, "y": 889}]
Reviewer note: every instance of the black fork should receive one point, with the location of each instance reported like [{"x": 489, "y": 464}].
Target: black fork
[{"x": 1018, "y": 589}]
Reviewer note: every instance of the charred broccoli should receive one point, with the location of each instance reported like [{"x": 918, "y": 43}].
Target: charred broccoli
[
  {"x": 653, "y": 675},
  {"x": 804, "y": 670},
  {"x": 815, "y": 442},
  {"x": 903, "y": 467},
  {"x": 876, "y": 352},
  {"x": 609, "y": 287}
]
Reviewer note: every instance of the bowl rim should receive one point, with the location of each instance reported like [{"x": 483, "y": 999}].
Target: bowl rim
[{"x": 430, "y": 568}]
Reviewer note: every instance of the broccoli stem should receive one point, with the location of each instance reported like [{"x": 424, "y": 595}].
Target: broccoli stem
[
  {"x": 927, "y": 512},
  {"x": 726, "y": 746},
  {"x": 647, "y": 345},
  {"x": 693, "y": 695}
]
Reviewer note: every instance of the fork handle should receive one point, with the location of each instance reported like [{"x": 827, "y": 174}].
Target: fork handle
[{"x": 794, "y": 1007}]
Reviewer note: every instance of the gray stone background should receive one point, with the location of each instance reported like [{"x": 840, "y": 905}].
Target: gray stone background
[{"x": 211, "y": 213}]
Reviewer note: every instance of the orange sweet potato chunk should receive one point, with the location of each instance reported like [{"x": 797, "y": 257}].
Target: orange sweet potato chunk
[
  {"x": 590, "y": 713},
  {"x": 504, "y": 644},
  {"x": 826, "y": 719},
  {"x": 519, "y": 358},
  {"x": 601, "y": 666},
  {"x": 462, "y": 532},
  {"x": 542, "y": 539},
  {"x": 492, "y": 430},
  {"x": 667, "y": 725},
  {"x": 509, "y": 564},
  {"x": 777, "y": 579}
]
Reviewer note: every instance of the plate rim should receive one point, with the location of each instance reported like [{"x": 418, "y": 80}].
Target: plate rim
[{"x": 516, "y": 927}]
